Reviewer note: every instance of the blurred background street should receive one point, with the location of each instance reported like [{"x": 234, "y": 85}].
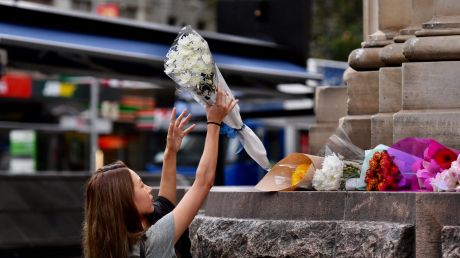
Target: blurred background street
[{"x": 82, "y": 84}]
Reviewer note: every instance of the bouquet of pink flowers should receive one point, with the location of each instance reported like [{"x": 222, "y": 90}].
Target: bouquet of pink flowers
[{"x": 422, "y": 161}]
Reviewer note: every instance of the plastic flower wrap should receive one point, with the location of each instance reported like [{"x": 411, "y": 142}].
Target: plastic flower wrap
[
  {"x": 294, "y": 171},
  {"x": 340, "y": 145},
  {"x": 420, "y": 160},
  {"x": 190, "y": 64},
  {"x": 299, "y": 174}
]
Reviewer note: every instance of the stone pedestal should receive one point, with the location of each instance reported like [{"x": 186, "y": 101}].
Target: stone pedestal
[
  {"x": 365, "y": 59},
  {"x": 445, "y": 21},
  {"x": 330, "y": 104},
  {"x": 358, "y": 129},
  {"x": 392, "y": 54},
  {"x": 442, "y": 125},
  {"x": 385, "y": 19},
  {"x": 319, "y": 134},
  {"x": 431, "y": 85},
  {"x": 382, "y": 129},
  {"x": 438, "y": 39},
  {"x": 390, "y": 89},
  {"x": 389, "y": 103},
  {"x": 437, "y": 48},
  {"x": 363, "y": 93},
  {"x": 422, "y": 11}
]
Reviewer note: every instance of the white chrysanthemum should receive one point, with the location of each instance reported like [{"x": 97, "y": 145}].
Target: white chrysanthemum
[
  {"x": 183, "y": 41},
  {"x": 328, "y": 178},
  {"x": 185, "y": 77},
  {"x": 169, "y": 70},
  {"x": 194, "y": 81},
  {"x": 206, "y": 58}
]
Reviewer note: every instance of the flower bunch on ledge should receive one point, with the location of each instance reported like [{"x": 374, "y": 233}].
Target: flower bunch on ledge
[
  {"x": 329, "y": 177},
  {"x": 382, "y": 174}
]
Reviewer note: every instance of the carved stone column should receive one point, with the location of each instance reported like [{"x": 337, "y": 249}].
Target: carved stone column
[
  {"x": 421, "y": 11},
  {"x": 439, "y": 38},
  {"x": 390, "y": 88},
  {"x": 387, "y": 18}
]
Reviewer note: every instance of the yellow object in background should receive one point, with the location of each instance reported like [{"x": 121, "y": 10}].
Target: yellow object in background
[{"x": 299, "y": 173}]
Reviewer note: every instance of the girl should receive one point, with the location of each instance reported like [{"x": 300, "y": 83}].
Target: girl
[{"x": 118, "y": 202}]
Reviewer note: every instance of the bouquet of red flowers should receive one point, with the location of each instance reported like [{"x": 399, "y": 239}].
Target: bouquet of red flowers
[{"x": 382, "y": 174}]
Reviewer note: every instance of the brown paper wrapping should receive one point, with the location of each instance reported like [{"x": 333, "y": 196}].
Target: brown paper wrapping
[{"x": 279, "y": 177}]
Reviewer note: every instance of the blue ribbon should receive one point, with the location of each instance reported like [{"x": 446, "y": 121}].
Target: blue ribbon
[{"x": 229, "y": 131}]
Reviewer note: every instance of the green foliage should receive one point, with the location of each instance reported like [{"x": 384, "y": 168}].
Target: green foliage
[{"x": 336, "y": 28}]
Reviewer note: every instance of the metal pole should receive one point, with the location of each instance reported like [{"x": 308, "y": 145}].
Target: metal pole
[{"x": 94, "y": 100}]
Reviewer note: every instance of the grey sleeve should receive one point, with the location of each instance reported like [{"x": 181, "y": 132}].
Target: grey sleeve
[{"x": 160, "y": 238}]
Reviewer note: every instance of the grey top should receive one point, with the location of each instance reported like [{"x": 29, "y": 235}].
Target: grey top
[{"x": 160, "y": 239}]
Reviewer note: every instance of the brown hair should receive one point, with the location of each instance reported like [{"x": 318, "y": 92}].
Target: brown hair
[{"x": 112, "y": 223}]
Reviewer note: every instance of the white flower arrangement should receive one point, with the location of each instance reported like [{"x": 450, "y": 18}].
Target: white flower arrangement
[
  {"x": 190, "y": 64},
  {"x": 329, "y": 177}
]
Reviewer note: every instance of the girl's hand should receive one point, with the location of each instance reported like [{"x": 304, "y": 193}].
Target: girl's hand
[
  {"x": 176, "y": 130},
  {"x": 224, "y": 104}
]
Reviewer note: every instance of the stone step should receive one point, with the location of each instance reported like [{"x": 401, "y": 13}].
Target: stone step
[
  {"x": 358, "y": 129},
  {"x": 318, "y": 135},
  {"x": 330, "y": 103},
  {"x": 431, "y": 85},
  {"x": 382, "y": 129},
  {"x": 390, "y": 80},
  {"x": 363, "y": 93},
  {"x": 442, "y": 125}
]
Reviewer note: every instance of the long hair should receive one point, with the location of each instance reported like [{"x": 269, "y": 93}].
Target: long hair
[{"x": 112, "y": 223}]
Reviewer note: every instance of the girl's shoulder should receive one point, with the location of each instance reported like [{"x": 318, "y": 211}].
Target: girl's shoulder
[{"x": 160, "y": 238}]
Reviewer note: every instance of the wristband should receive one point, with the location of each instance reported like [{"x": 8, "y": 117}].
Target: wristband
[{"x": 215, "y": 123}]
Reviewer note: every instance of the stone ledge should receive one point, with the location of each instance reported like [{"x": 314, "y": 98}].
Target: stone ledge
[
  {"x": 431, "y": 215},
  {"x": 225, "y": 237},
  {"x": 311, "y": 205}
]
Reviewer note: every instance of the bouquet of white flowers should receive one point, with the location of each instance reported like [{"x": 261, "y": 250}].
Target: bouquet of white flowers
[{"x": 190, "y": 64}]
